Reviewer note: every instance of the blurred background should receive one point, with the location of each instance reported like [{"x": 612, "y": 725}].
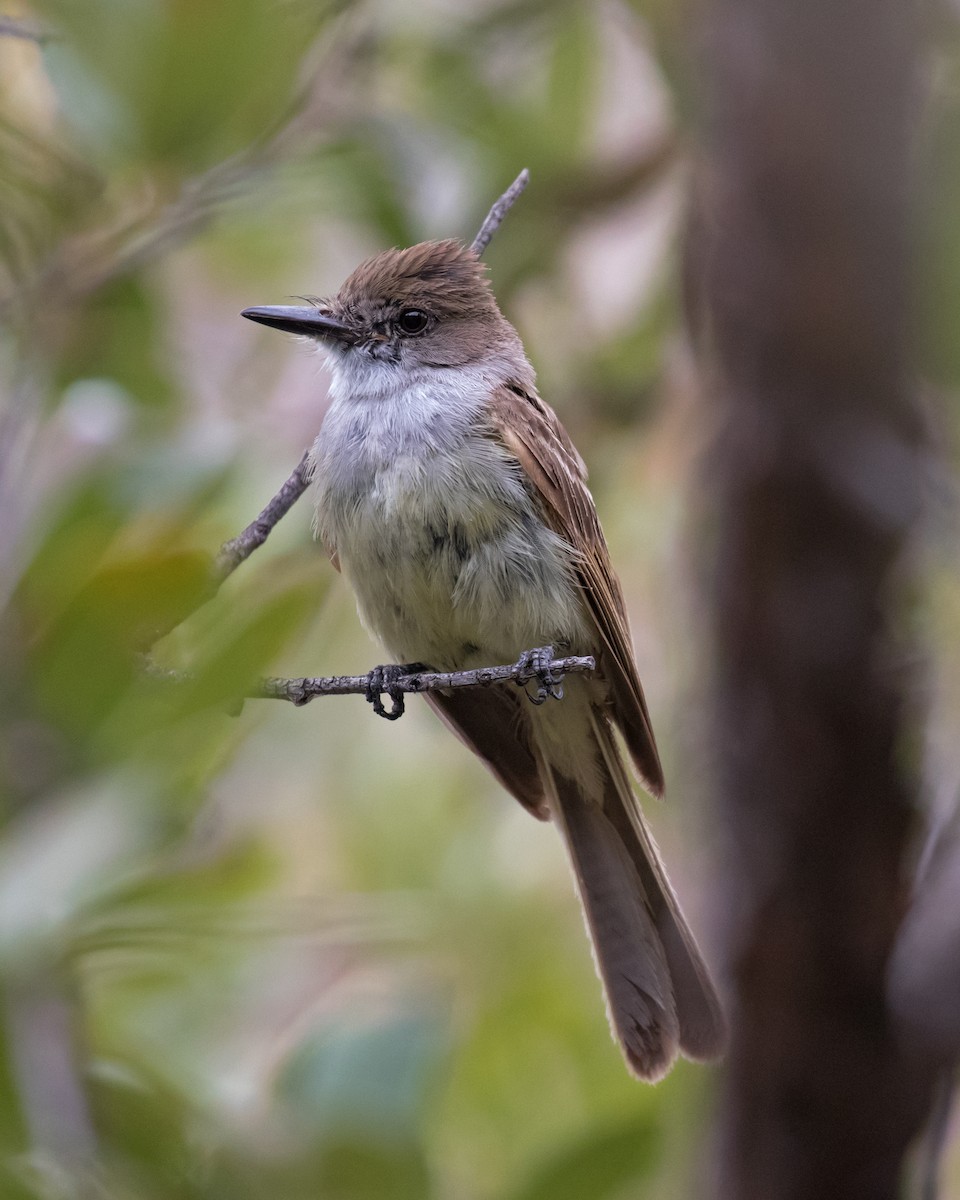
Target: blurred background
[{"x": 299, "y": 953}]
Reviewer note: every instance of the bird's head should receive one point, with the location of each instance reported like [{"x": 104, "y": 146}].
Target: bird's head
[{"x": 429, "y": 306}]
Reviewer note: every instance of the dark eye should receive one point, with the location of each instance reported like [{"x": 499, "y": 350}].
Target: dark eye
[{"x": 412, "y": 320}]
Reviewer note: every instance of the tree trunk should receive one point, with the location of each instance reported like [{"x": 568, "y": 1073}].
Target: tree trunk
[{"x": 814, "y": 479}]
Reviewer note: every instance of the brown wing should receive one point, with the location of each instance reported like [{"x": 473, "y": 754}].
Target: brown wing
[
  {"x": 530, "y": 431},
  {"x": 492, "y": 723}
]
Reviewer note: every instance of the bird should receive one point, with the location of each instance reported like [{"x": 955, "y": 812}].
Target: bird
[{"x": 453, "y": 501}]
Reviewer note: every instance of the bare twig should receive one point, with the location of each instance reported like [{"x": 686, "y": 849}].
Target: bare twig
[
  {"x": 302, "y": 691},
  {"x": 238, "y": 549},
  {"x": 498, "y": 212}
]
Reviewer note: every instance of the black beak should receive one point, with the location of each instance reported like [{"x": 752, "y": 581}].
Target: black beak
[{"x": 307, "y": 321}]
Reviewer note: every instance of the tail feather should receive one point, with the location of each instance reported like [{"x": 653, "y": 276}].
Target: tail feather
[
  {"x": 629, "y": 957},
  {"x": 703, "y": 1027},
  {"x": 660, "y": 998}
]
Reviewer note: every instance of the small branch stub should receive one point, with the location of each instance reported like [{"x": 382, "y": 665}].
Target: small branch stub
[{"x": 499, "y": 210}]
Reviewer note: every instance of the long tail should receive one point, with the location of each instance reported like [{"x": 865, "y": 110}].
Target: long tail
[{"x": 660, "y": 999}]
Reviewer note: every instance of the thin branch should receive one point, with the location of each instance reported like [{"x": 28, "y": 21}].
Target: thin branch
[
  {"x": 302, "y": 691},
  {"x": 238, "y": 549},
  {"x": 498, "y": 212}
]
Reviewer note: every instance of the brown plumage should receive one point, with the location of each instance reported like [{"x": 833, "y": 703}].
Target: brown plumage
[
  {"x": 457, "y": 280},
  {"x": 558, "y": 476}
]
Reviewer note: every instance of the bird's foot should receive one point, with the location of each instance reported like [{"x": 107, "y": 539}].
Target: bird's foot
[
  {"x": 383, "y": 681},
  {"x": 535, "y": 664}
]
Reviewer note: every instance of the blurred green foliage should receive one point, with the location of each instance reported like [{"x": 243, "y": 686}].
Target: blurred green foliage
[{"x": 302, "y": 953}]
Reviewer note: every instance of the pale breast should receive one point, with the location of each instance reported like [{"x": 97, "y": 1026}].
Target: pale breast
[{"x": 438, "y": 535}]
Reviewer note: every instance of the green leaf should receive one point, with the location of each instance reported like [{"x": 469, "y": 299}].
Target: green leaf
[
  {"x": 86, "y": 657},
  {"x": 601, "y": 1165},
  {"x": 571, "y": 86},
  {"x": 373, "y": 1171},
  {"x": 180, "y": 83},
  {"x": 117, "y": 336}
]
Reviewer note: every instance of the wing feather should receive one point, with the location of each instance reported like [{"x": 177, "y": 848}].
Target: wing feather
[
  {"x": 531, "y": 432},
  {"x": 492, "y": 723}
]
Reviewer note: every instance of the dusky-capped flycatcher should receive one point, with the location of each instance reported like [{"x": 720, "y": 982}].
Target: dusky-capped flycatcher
[{"x": 453, "y": 500}]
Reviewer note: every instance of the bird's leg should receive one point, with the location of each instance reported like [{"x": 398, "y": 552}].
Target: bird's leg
[
  {"x": 535, "y": 664},
  {"x": 382, "y": 680}
]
